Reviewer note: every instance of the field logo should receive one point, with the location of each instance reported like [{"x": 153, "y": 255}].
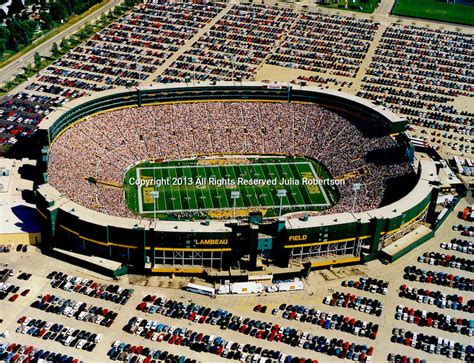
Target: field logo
[{"x": 303, "y": 237}]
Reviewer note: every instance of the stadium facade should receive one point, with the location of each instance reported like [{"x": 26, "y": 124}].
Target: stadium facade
[{"x": 193, "y": 247}]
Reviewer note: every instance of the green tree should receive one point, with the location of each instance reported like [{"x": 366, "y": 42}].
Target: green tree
[
  {"x": 13, "y": 42},
  {"x": 3, "y": 47},
  {"x": 81, "y": 34},
  {"x": 37, "y": 59},
  {"x": 58, "y": 11},
  {"x": 103, "y": 18},
  {"x": 28, "y": 69},
  {"x": 55, "y": 49},
  {"x": 64, "y": 45},
  {"x": 88, "y": 29},
  {"x": 118, "y": 10},
  {"x": 47, "y": 20},
  {"x": 4, "y": 32}
]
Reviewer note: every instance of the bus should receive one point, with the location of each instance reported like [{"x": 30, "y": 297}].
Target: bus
[{"x": 200, "y": 289}]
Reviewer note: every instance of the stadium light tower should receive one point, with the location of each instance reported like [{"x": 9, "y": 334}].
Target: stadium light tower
[
  {"x": 355, "y": 188},
  {"x": 235, "y": 194},
  {"x": 155, "y": 194},
  {"x": 194, "y": 60},
  {"x": 290, "y": 65},
  {"x": 281, "y": 193},
  {"x": 232, "y": 59}
]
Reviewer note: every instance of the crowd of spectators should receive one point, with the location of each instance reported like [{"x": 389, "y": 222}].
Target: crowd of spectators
[
  {"x": 105, "y": 145},
  {"x": 419, "y": 72}
]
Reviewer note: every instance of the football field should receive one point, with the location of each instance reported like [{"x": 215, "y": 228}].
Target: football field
[{"x": 216, "y": 184}]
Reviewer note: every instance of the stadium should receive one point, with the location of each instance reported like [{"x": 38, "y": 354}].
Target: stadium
[{"x": 200, "y": 179}]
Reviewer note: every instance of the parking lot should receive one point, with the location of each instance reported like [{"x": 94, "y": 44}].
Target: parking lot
[{"x": 314, "y": 330}]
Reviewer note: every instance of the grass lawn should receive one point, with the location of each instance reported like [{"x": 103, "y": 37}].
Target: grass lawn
[
  {"x": 435, "y": 10},
  {"x": 206, "y": 185}
]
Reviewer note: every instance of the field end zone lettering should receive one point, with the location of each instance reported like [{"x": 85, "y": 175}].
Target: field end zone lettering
[
  {"x": 147, "y": 199},
  {"x": 313, "y": 189},
  {"x": 303, "y": 237}
]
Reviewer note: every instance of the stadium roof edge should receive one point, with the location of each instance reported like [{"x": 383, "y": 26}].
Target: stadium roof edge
[
  {"x": 52, "y": 117},
  {"x": 51, "y": 194}
]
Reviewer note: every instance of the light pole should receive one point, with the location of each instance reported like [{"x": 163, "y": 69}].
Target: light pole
[
  {"x": 290, "y": 65},
  {"x": 194, "y": 61},
  {"x": 232, "y": 59},
  {"x": 355, "y": 189},
  {"x": 155, "y": 194},
  {"x": 235, "y": 194},
  {"x": 281, "y": 193}
]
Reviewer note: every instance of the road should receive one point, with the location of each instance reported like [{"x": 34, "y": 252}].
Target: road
[{"x": 44, "y": 49}]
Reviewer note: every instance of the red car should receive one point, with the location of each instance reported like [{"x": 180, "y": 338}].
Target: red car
[
  {"x": 141, "y": 306},
  {"x": 21, "y": 320},
  {"x": 13, "y": 297},
  {"x": 25, "y": 292},
  {"x": 28, "y": 350},
  {"x": 172, "y": 339}
]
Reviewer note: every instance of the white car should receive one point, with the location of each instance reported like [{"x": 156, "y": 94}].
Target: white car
[
  {"x": 69, "y": 340},
  {"x": 81, "y": 343}
]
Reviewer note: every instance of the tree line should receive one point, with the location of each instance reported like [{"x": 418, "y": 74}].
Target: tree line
[{"x": 20, "y": 24}]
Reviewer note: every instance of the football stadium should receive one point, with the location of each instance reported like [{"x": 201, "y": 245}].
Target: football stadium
[{"x": 199, "y": 179}]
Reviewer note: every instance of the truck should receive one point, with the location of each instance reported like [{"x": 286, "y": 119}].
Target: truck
[
  {"x": 246, "y": 288},
  {"x": 295, "y": 285}
]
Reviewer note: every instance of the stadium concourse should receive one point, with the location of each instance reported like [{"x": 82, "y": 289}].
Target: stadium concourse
[
  {"x": 105, "y": 145},
  {"x": 424, "y": 73}
]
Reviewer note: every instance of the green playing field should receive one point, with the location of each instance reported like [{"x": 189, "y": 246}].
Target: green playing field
[
  {"x": 210, "y": 183},
  {"x": 461, "y": 13}
]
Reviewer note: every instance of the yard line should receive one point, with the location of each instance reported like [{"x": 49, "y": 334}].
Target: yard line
[
  {"x": 303, "y": 191},
  {"x": 162, "y": 198},
  {"x": 212, "y": 191},
  {"x": 205, "y": 190},
  {"x": 250, "y": 188},
  {"x": 321, "y": 187},
  {"x": 140, "y": 202},
  {"x": 221, "y": 190},
  {"x": 265, "y": 190},
  {"x": 196, "y": 190}
]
